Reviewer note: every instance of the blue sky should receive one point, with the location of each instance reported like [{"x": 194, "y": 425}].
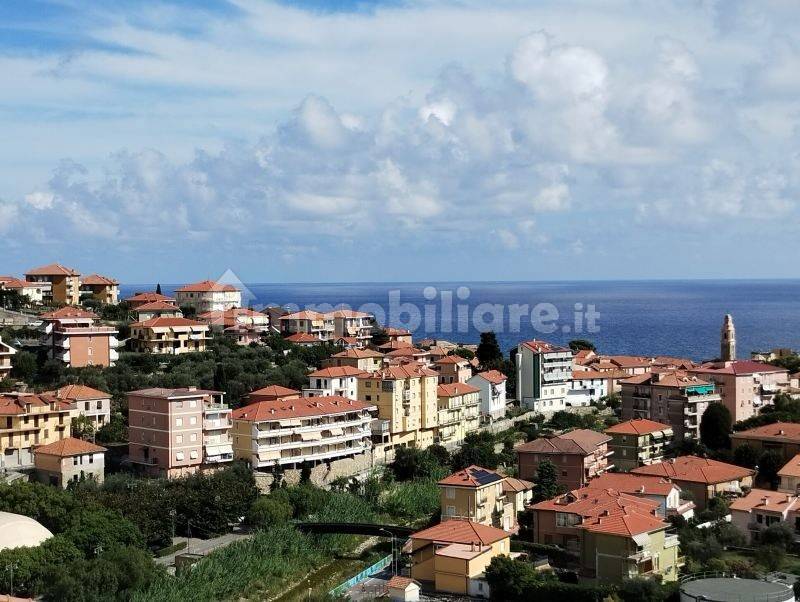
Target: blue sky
[{"x": 411, "y": 140}]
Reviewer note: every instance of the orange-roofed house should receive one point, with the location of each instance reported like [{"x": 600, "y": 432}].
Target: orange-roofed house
[
  {"x": 638, "y": 442},
  {"x": 587, "y": 386},
  {"x": 703, "y": 477},
  {"x": 459, "y": 412},
  {"x": 789, "y": 476},
  {"x": 544, "y": 372},
  {"x": 6, "y": 352},
  {"x": 615, "y": 535},
  {"x": 366, "y": 360},
  {"x": 339, "y": 381},
  {"x": 73, "y": 335},
  {"x": 673, "y": 397},
  {"x": 783, "y": 437},
  {"x": 176, "y": 432},
  {"x": 27, "y": 421},
  {"x": 36, "y": 292},
  {"x": 399, "y": 335},
  {"x": 578, "y": 456},
  {"x": 408, "y": 354},
  {"x": 85, "y": 401},
  {"x": 453, "y": 369},
  {"x": 69, "y": 460},
  {"x": 220, "y": 320},
  {"x": 401, "y": 589},
  {"x": 654, "y": 488},
  {"x": 208, "y": 295},
  {"x": 156, "y": 309},
  {"x": 483, "y": 496},
  {"x": 492, "y": 386},
  {"x": 148, "y": 297},
  {"x": 304, "y": 339},
  {"x": 355, "y": 325},
  {"x": 65, "y": 283},
  {"x": 293, "y": 431},
  {"x": 273, "y": 393},
  {"x": 451, "y": 557},
  {"x": 169, "y": 336},
  {"x": 101, "y": 288},
  {"x": 308, "y": 322},
  {"x": 406, "y": 397},
  {"x": 762, "y": 508}
]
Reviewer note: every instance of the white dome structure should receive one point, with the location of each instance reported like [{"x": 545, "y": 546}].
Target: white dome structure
[{"x": 17, "y": 531}]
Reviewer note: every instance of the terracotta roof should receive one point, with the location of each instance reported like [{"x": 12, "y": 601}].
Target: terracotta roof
[
  {"x": 590, "y": 374},
  {"x": 347, "y": 313},
  {"x": 586, "y": 438},
  {"x": 452, "y": 359},
  {"x": 453, "y": 389},
  {"x": 336, "y": 372},
  {"x": 739, "y": 367},
  {"x": 400, "y": 372},
  {"x": 637, "y": 426},
  {"x": 472, "y": 476},
  {"x": 695, "y": 470},
  {"x": 405, "y": 352},
  {"x": 493, "y": 376},
  {"x": 395, "y": 345},
  {"x": 79, "y": 393},
  {"x": 517, "y": 485},
  {"x": 665, "y": 360},
  {"x": 669, "y": 378},
  {"x": 791, "y": 468},
  {"x": 306, "y": 314},
  {"x": 777, "y": 431},
  {"x": 461, "y": 531},
  {"x": 299, "y": 408},
  {"x": 628, "y": 361},
  {"x": 396, "y": 332},
  {"x": 358, "y": 353},
  {"x": 157, "y": 306},
  {"x": 149, "y": 297},
  {"x": 12, "y": 405},
  {"x": 69, "y": 446},
  {"x": 15, "y": 283},
  {"x": 633, "y": 484},
  {"x": 545, "y": 347},
  {"x": 628, "y": 523},
  {"x": 98, "y": 280},
  {"x": 67, "y": 312},
  {"x": 275, "y": 391},
  {"x": 234, "y": 312},
  {"x": 766, "y": 500},
  {"x": 207, "y": 286},
  {"x": 160, "y": 322},
  {"x": 52, "y": 269},
  {"x": 398, "y": 582},
  {"x": 303, "y": 337},
  {"x": 177, "y": 393}
]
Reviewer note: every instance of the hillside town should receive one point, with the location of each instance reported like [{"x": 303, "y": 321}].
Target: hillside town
[{"x": 180, "y": 432}]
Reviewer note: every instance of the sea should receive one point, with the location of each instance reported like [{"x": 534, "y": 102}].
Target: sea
[{"x": 680, "y": 318}]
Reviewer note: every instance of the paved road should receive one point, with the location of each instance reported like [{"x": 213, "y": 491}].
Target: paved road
[{"x": 202, "y": 546}]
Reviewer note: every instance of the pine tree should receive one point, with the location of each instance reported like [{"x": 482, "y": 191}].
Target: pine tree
[
  {"x": 158, "y": 288},
  {"x": 489, "y": 353}
]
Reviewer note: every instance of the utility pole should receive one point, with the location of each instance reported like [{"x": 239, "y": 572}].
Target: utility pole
[{"x": 10, "y": 567}]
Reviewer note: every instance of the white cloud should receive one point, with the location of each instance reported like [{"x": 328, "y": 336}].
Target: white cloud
[{"x": 40, "y": 200}]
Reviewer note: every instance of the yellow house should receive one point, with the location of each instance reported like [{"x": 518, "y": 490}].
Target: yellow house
[
  {"x": 452, "y": 556},
  {"x": 27, "y": 421},
  {"x": 65, "y": 282},
  {"x": 459, "y": 412},
  {"x": 407, "y": 404},
  {"x": 482, "y": 496},
  {"x": 169, "y": 336},
  {"x": 366, "y": 360}
]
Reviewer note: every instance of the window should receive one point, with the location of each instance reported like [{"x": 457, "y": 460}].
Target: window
[
  {"x": 451, "y": 511},
  {"x": 179, "y": 404},
  {"x": 91, "y": 458},
  {"x": 192, "y": 420},
  {"x": 75, "y": 461},
  {"x": 192, "y": 403},
  {"x": 450, "y": 493},
  {"x": 179, "y": 439},
  {"x": 193, "y": 437},
  {"x": 193, "y": 454},
  {"x": 179, "y": 422},
  {"x": 179, "y": 456}
]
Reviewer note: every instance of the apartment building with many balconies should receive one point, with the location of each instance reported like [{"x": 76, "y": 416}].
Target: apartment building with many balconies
[
  {"x": 100, "y": 288},
  {"x": 673, "y": 397},
  {"x": 208, "y": 296},
  {"x": 175, "y": 432},
  {"x": 341, "y": 381},
  {"x": 294, "y": 432},
  {"x": 459, "y": 413},
  {"x": 453, "y": 369},
  {"x": 65, "y": 283},
  {"x": 169, "y": 336},
  {"x": 28, "y": 420},
  {"x": 156, "y": 309},
  {"x": 85, "y": 401},
  {"x": 320, "y": 326},
  {"x": 544, "y": 371},
  {"x": 139, "y": 299},
  {"x": 578, "y": 456},
  {"x": 366, "y": 360},
  {"x": 406, "y": 397},
  {"x": 350, "y": 324},
  {"x": 492, "y": 386},
  {"x": 638, "y": 442},
  {"x": 74, "y": 336},
  {"x": 6, "y": 353}
]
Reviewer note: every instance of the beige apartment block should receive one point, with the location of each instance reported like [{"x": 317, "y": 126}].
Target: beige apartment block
[
  {"x": 453, "y": 369},
  {"x": 406, "y": 397},
  {"x": 208, "y": 296},
  {"x": 366, "y": 360},
  {"x": 6, "y": 353},
  {"x": 175, "y": 432},
  {"x": 292, "y": 432},
  {"x": 307, "y": 322},
  {"x": 86, "y": 401},
  {"x": 26, "y": 421},
  {"x": 169, "y": 336},
  {"x": 459, "y": 412},
  {"x": 69, "y": 460},
  {"x": 638, "y": 442},
  {"x": 65, "y": 283},
  {"x": 156, "y": 309},
  {"x": 74, "y": 336},
  {"x": 101, "y": 288},
  {"x": 351, "y": 324}
]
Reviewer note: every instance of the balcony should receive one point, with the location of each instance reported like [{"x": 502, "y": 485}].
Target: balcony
[
  {"x": 670, "y": 541},
  {"x": 211, "y": 424}
]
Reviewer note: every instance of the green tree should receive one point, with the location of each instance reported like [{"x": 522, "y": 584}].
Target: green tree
[
  {"x": 771, "y": 557},
  {"x": 411, "y": 463},
  {"x": 467, "y": 354},
  {"x": 715, "y": 426},
  {"x": 268, "y": 512},
  {"x": 641, "y": 590},
  {"x": 81, "y": 427},
  {"x": 778, "y": 534},
  {"x": 94, "y": 530},
  {"x": 477, "y": 449},
  {"x": 379, "y": 336},
  {"x": 113, "y": 431},
  {"x": 23, "y": 366},
  {"x": 158, "y": 288},
  {"x": 546, "y": 480},
  {"x": 746, "y": 455},
  {"x": 581, "y": 345},
  {"x": 488, "y": 352},
  {"x": 769, "y": 464}
]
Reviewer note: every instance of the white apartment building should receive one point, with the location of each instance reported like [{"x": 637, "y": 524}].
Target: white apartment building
[
  {"x": 341, "y": 381},
  {"x": 6, "y": 351},
  {"x": 586, "y": 386},
  {"x": 208, "y": 296},
  {"x": 492, "y": 386},
  {"x": 86, "y": 401},
  {"x": 291, "y": 432},
  {"x": 352, "y": 324},
  {"x": 544, "y": 371},
  {"x": 319, "y": 325}
]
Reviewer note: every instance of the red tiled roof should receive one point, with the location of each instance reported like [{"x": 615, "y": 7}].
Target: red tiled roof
[
  {"x": 275, "y": 391},
  {"x": 633, "y": 484},
  {"x": 544, "y": 347},
  {"x": 395, "y": 345},
  {"x": 472, "y": 476},
  {"x": 207, "y": 286},
  {"x": 738, "y": 367},
  {"x": 695, "y": 470},
  {"x": 303, "y": 337},
  {"x": 299, "y": 408},
  {"x": 306, "y": 314},
  {"x": 579, "y": 441},
  {"x": 69, "y": 446},
  {"x": 400, "y": 372},
  {"x": 493, "y": 376},
  {"x": 157, "y": 306},
  {"x": 79, "y": 393},
  {"x": 766, "y": 500},
  {"x": 452, "y": 359},
  {"x": 461, "y": 531},
  {"x": 453, "y": 389},
  {"x": 791, "y": 468},
  {"x": 336, "y": 372},
  {"x": 397, "y": 332},
  {"x": 405, "y": 352},
  {"x": 11, "y": 405},
  {"x": 68, "y": 312},
  {"x": 777, "y": 431},
  {"x": 358, "y": 353},
  {"x": 517, "y": 485},
  {"x": 52, "y": 269},
  {"x": 669, "y": 378},
  {"x": 149, "y": 298},
  {"x": 168, "y": 323},
  {"x": 398, "y": 582},
  {"x": 99, "y": 280},
  {"x": 637, "y": 426},
  {"x": 347, "y": 313}
]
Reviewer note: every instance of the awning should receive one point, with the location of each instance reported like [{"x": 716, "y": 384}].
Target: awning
[
  {"x": 218, "y": 450},
  {"x": 336, "y": 431},
  {"x": 269, "y": 455},
  {"x": 312, "y": 436},
  {"x": 641, "y": 539}
]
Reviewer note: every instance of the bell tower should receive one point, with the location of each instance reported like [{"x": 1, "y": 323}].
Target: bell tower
[{"x": 728, "y": 340}]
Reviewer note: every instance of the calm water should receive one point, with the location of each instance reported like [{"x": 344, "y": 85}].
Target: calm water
[{"x": 680, "y": 318}]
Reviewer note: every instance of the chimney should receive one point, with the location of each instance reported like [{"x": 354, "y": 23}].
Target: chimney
[
  {"x": 192, "y": 388},
  {"x": 781, "y": 432},
  {"x": 765, "y": 500}
]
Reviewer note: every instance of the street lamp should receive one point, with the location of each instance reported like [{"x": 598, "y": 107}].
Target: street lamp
[{"x": 392, "y": 536}]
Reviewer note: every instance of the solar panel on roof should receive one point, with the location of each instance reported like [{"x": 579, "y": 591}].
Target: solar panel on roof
[{"x": 484, "y": 477}]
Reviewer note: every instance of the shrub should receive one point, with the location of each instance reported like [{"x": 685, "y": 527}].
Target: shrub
[{"x": 268, "y": 512}]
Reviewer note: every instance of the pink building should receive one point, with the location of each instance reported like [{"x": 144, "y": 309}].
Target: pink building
[
  {"x": 175, "y": 432},
  {"x": 453, "y": 369}
]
